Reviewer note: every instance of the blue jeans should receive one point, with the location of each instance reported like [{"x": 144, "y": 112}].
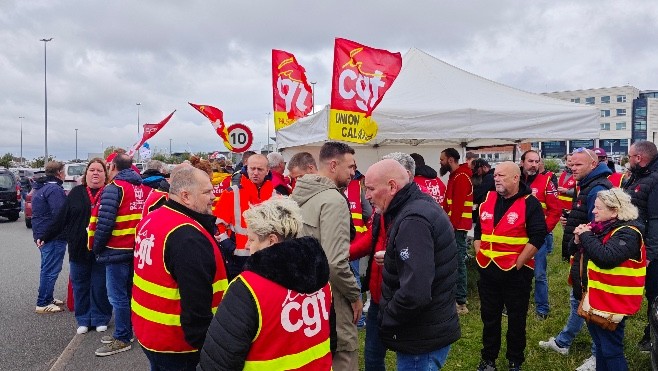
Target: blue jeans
[
  {"x": 609, "y": 347},
  {"x": 92, "y": 307},
  {"x": 52, "y": 258},
  {"x": 119, "y": 281},
  {"x": 375, "y": 351},
  {"x": 431, "y": 361},
  {"x": 172, "y": 361},
  {"x": 541, "y": 280},
  {"x": 462, "y": 273},
  {"x": 573, "y": 326},
  {"x": 354, "y": 265}
]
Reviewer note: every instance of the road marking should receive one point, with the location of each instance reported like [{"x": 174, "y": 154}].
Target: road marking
[{"x": 64, "y": 358}]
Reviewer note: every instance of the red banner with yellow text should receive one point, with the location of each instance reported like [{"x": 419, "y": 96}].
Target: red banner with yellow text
[
  {"x": 292, "y": 93},
  {"x": 362, "y": 75}
]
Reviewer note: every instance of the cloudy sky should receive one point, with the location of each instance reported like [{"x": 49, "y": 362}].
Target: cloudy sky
[{"x": 106, "y": 56}]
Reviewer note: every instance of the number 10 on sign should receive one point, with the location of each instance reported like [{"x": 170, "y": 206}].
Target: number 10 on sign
[{"x": 240, "y": 137}]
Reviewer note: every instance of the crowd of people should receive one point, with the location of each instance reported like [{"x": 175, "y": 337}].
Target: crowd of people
[{"x": 215, "y": 268}]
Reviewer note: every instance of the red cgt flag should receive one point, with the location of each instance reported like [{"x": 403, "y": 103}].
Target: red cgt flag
[
  {"x": 292, "y": 94},
  {"x": 149, "y": 131},
  {"x": 216, "y": 117}
]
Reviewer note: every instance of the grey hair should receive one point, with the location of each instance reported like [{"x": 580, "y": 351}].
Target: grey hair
[
  {"x": 156, "y": 165},
  {"x": 620, "y": 201},
  {"x": 646, "y": 149},
  {"x": 404, "y": 159},
  {"x": 279, "y": 215},
  {"x": 274, "y": 159},
  {"x": 183, "y": 179}
]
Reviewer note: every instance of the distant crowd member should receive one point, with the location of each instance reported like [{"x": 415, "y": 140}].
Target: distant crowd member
[
  {"x": 418, "y": 318},
  {"x": 428, "y": 180},
  {"x": 47, "y": 202},
  {"x": 458, "y": 204},
  {"x": 92, "y": 308},
  {"x": 220, "y": 173},
  {"x": 483, "y": 182},
  {"x": 155, "y": 172},
  {"x": 277, "y": 168},
  {"x": 275, "y": 315},
  {"x": 326, "y": 217},
  {"x": 112, "y": 240},
  {"x": 617, "y": 179},
  {"x": 566, "y": 186},
  {"x": 360, "y": 208},
  {"x": 240, "y": 168},
  {"x": 470, "y": 157},
  {"x": 643, "y": 188},
  {"x": 300, "y": 164},
  {"x": 175, "y": 249},
  {"x": 201, "y": 164},
  {"x": 511, "y": 229},
  {"x": 255, "y": 187}
]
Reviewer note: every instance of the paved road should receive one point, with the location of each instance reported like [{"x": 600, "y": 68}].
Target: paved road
[{"x": 30, "y": 341}]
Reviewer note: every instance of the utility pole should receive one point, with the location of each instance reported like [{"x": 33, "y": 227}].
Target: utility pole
[
  {"x": 45, "y": 100},
  {"x": 21, "y": 117}
]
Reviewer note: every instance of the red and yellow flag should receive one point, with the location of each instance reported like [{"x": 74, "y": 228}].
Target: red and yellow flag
[
  {"x": 362, "y": 75},
  {"x": 216, "y": 117},
  {"x": 292, "y": 94},
  {"x": 149, "y": 131}
]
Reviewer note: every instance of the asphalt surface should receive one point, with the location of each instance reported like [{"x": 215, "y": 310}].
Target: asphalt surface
[{"x": 30, "y": 341}]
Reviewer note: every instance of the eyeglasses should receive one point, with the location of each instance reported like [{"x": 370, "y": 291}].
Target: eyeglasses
[{"x": 583, "y": 149}]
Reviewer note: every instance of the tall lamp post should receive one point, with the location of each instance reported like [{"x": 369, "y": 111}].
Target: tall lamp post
[
  {"x": 76, "y": 145},
  {"x": 313, "y": 94},
  {"x": 169, "y": 147},
  {"x": 21, "y": 117},
  {"x": 138, "y": 105},
  {"x": 45, "y": 99},
  {"x": 268, "y": 131}
]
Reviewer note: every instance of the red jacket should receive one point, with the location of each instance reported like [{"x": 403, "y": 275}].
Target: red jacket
[
  {"x": 458, "y": 202},
  {"x": 362, "y": 246}
]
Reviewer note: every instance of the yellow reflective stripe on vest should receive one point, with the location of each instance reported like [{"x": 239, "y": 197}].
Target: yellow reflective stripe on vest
[
  {"x": 361, "y": 229},
  {"x": 155, "y": 289},
  {"x": 620, "y": 271},
  {"x": 154, "y": 316},
  {"x": 505, "y": 240},
  {"x": 123, "y": 232},
  {"x": 291, "y": 361},
  {"x": 565, "y": 198},
  {"x": 357, "y": 216},
  {"x": 619, "y": 290},
  {"x": 543, "y": 205},
  {"x": 93, "y": 219},
  {"x": 129, "y": 217},
  {"x": 468, "y": 203},
  {"x": 495, "y": 254}
]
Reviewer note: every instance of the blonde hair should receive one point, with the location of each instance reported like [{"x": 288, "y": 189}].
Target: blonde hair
[
  {"x": 620, "y": 201},
  {"x": 280, "y": 216}
]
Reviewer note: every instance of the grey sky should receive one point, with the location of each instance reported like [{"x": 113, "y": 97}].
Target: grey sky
[{"x": 108, "y": 55}]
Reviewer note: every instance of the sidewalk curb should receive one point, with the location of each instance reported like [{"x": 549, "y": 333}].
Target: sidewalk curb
[{"x": 64, "y": 358}]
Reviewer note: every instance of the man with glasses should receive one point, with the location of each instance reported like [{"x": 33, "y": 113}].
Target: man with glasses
[
  {"x": 592, "y": 177},
  {"x": 643, "y": 188}
]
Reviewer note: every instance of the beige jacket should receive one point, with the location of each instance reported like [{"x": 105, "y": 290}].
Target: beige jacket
[{"x": 327, "y": 218}]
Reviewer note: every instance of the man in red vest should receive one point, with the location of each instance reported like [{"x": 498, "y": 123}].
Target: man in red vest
[
  {"x": 617, "y": 179},
  {"x": 179, "y": 273},
  {"x": 566, "y": 186},
  {"x": 511, "y": 229},
  {"x": 427, "y": 179},
  {"x": 458, "y": 203}
]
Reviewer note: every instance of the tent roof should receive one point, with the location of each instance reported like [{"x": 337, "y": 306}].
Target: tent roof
[{"x": 432, "y": 102}]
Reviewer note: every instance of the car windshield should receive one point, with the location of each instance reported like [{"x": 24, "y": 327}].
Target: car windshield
[
  {"x": 74, "y": 170},
  {"x": 6, "y": 181},
  {"x": 68, "y": 185}
]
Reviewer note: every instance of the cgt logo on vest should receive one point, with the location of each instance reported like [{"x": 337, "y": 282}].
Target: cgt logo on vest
[
  {"x": 307, "y": 310},
  {"x": 138, "y": 204},
  {"x": 512, "y": 217},
  {"x": 143, "y": 246}
]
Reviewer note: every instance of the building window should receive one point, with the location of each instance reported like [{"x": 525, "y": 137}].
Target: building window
[
  {"x": 621, "y": 99},
  {"x": 575, "y": 100},
  {"x": 641, "y": 111},
  {"x": 621, "y": 112},
  {"x": 619, "y": 126},
  {"x": 605, "y": 113},
  {"x": 605, "y": 99},
  {"x": 605, "y": 126},
  {"x": 589, "y": 100}
]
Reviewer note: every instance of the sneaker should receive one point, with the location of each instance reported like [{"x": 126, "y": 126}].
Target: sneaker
[
  {"x": 116, "y": 346},
  {"x": 462, "y": 309},
  {"x": 50, "y": 308},
  {"x": 514, "y": 366},
  {"x": 644, "y": 345},
  {"x": 362, "y": 322},
  {"x": 57, "y": 302},
  {"x": 82, "y": 330},
  {"x": 552, "y": 345},
  {"x": 487, "y": 366},
  {"x": 108, "y": 339},
  {"x": 588, "y": 365},
  {"x": 101, "y": 328}
]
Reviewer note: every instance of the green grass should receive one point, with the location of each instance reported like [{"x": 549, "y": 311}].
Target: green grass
[{"x": 465, "y": 353}]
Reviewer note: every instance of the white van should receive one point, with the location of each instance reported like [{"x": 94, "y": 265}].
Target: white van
[{"x": 74, "y": 171}]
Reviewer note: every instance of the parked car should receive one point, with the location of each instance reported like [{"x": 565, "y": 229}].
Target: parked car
[
  {"x": 10, "y": 195},
  {"x": 67, "y": 185},
  {"x": 74, "y": 171}
]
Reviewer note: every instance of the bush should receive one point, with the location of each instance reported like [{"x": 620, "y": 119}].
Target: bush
[{"x": 552, "y": 165}]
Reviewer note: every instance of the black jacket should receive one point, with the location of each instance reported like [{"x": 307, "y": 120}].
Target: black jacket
[
  {"x": 623, "y": 245},
  {"x": 417, "y": 308},
  {"x": 299, "y": 265},
  {"x": 485, "y": 185},
  {"x": 643, "y": 188}
]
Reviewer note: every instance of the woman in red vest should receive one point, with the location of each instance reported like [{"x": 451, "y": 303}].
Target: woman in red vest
[
  {"x": 612, "y": 271},
  {"x": 275, "y": 314}
]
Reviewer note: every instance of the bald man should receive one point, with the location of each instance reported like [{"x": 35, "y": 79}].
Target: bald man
[
  {"x": 418, "y": 318},
  {"x": 510, "y": 230}
]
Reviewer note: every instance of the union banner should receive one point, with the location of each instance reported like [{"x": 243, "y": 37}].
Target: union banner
[
  {"x": 292, "y": 94},
  {"x": 362, "y": 75}
]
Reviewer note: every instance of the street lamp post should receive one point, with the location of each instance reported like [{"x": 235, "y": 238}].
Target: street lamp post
[
  {"x": 169, "y": 147},
  {"x": 21, "y": 117},
  {"x": 268, "y": 132},
  {"x": 76, "y": 145},
  {"x": 45, "y": 99},
  {"x": 313, "y": 94},
  {"x": 138, "y": 105}
]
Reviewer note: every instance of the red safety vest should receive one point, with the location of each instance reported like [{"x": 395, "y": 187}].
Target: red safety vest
[
  {"x": 154, "y": 197},
  {"x": 353, "y": 194},
  {"x": 156, "y": 306},
  {"x": 538, "y": 188},
  {"x": 616, "y": 179},
  {"x": 504, "y": 242},
  {"x": 570, "y": 183},
  {"x": 293, "y": 331},
  {"x": 462, "y": 222},
  {"x": 433, "y": 187},
  {"x": 128, "y": 215},
  {"x": 618, "y": 290}
]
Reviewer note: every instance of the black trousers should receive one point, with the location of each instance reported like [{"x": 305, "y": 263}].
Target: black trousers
[
  {"x": 651, "y": 292},
  {"x": 509, "y": 289}
]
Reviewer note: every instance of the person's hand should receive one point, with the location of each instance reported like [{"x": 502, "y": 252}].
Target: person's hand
[
  {"x": 379, "y": 257},
  {"x": 357, "y": 308},
  {"x": 40, "y": 243},
  {"x": 476, "y": 246},
  {"x": 562, "y": 189},
  {"x": 563, "y": 221}
]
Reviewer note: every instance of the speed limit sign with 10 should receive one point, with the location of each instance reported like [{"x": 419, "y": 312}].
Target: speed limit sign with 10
[{"x": 240, "y": 137}]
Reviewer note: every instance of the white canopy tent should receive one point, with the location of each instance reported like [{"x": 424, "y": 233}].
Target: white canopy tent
[{"x": 434, "y": 105}]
